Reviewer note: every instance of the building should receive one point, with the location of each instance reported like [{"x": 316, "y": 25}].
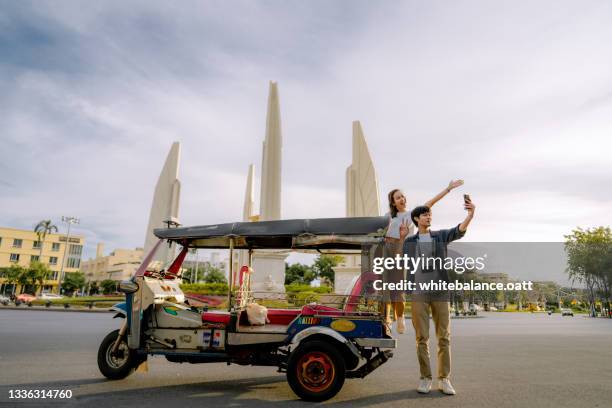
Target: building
[
  {"x": 118, "y": 265},
  {"x": 494, "y": 276},
  {"x": 21, "y": 247},
  {"x": 213, "y": 260}
]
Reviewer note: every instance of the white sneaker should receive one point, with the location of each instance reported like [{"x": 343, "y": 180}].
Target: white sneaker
[
  {"x": 401, "y": 325},
  {"x": 446, "y": 387},
  {"x": 424, "y": 386},
  {"x": 387, "y": 327}
]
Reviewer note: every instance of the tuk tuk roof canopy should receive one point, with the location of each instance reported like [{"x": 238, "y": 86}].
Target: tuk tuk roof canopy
[{"x": 317, "y": 233}]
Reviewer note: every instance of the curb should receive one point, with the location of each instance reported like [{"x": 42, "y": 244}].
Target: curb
[{"x": 55, "y": 309}]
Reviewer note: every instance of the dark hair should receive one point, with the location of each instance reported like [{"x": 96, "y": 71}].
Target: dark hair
[
  {"x": 392, "y": 207},
  {"x": 418, "y": 211}
]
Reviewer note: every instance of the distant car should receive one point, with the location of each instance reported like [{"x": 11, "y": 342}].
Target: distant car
[
  {"x": 567, "y": 312},
  {"x": 25, "y": 298},
  {"x": 50, "y": 296},
  {"x": 4, "y": 300},
  {"x": 492, "y": 309}
]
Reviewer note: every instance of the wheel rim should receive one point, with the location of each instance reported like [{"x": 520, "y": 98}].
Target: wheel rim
[
  {"x": 315, "y": 371},
  {"x": 118, "y": 359}
]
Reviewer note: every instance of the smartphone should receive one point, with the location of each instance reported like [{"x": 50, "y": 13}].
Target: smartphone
[{"x": 466, "y": 198}]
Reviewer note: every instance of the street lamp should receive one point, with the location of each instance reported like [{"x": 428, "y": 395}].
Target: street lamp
[
  {"x": 194, "y": 275},
  {"x": 196, "y": 266},
  {"x": 69, "y": 221}
]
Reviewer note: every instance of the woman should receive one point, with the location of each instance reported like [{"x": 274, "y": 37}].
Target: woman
[{"x": 394, "y": 300}]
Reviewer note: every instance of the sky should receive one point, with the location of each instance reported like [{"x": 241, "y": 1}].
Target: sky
[{"x": 513, "y": 97}]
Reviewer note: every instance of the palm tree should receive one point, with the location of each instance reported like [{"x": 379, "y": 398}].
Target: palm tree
[{"x": 42, "y": 229}]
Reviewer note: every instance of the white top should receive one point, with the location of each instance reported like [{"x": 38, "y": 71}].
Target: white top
[
  {"x": 394, "y": 225},
  {"x": 426, "y": 237}
]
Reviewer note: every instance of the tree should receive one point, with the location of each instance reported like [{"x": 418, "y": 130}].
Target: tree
[
  {"x": 23, "y": 279},
  {"x": 94, "y": 289},
  {"x": 324, "y": 264},
  {"x": 39, "y": 273},
  {"x": 206, "y": 273},
  {"x": 73, "y": 281},
  {"x": 42, "y": 229},
  {"x": 213, "y": 275},
  {"x": 108, "y": 286},
  {"x": 589, "y": 261},
  {"x": 12, "y": 275},
  {"x": 299, "y": 273}
]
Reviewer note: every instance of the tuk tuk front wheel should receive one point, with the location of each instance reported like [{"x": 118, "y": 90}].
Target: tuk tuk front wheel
[
  {"x": 116, "y": 366},
  {"x": 316, "y": 371}
]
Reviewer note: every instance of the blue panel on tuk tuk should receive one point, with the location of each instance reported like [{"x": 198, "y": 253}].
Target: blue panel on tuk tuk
[
  {"x": 128, "y": 304},
  {"x": 125, "y": 307},
  {"x": 349, "y": 328},
  {"x": 121, "y": 306}
]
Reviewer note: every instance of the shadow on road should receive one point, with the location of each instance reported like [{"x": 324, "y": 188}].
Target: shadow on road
[
  {"x": 206, "y": 394},
  {"x": 387, "y": 397}
]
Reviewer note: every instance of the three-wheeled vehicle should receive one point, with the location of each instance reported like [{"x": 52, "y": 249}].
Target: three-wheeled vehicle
[{"x": 318, "y": 346}]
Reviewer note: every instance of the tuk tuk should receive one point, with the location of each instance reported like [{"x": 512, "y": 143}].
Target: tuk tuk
[{"x": 316, "y": 345}]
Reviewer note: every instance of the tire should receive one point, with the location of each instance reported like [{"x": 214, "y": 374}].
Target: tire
[
  {"x": 120, "y": 366},
  {"x": 316, "y": 371}
]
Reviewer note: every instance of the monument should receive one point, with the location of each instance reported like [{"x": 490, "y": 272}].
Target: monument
[
  {"x": 362, "y": 200},
  {"x": 248, "y": 210},
  {"x": 165, "y": 204},
  {"x": 269, "y": 266},
  {"x": 249, "y": 195},
  {"x": 270, "y": 194}
]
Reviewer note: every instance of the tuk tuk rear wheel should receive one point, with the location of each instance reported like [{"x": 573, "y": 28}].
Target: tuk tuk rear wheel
[
  {"x": 119, "y": 365},
  {"x": 316, "y": 371}
]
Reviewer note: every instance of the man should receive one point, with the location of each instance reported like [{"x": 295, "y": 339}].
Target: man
[{"x": 432, "y": 245}]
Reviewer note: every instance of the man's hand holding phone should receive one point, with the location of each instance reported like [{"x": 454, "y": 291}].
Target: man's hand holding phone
[
  {"x": 470, "y": 207},
  {"x": 468, "y": 204}
]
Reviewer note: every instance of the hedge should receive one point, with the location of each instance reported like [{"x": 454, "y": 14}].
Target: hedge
[
  {"x": 297, "y": 288},
  {"x": 221, "y": 288},
  {"x": 98, "y": 301},
  {"x": 205, "y": 288}
]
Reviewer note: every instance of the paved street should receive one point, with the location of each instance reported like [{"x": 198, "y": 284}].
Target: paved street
[{"x": 501, "y": 360}]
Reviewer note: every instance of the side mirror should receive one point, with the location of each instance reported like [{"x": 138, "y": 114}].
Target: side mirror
[{"x": 127, "y": 286}]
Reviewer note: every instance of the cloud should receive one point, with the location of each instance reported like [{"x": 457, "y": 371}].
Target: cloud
[{"x": 513, "y": 99}]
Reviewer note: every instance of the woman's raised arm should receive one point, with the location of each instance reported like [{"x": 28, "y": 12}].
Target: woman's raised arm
[{"x": 451, "y": 185}]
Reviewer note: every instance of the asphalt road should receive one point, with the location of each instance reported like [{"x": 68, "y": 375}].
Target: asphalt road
[{"x": 501, "y": 360}]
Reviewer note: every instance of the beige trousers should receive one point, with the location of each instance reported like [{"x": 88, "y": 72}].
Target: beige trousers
[
  {"x": 440, "y": 313},
  {"x": 393, "y": 311}
]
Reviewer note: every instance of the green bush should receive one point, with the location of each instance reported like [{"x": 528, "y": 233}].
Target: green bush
[
  {"x": 274, "y": 303},
  {"x": 303, "y": 298},
  {"x": 297, "y": 288},
  {"x": 205, "y": 288},
  {"x": 300, "y": 294},
  {"x": 98, "y": 301}
]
